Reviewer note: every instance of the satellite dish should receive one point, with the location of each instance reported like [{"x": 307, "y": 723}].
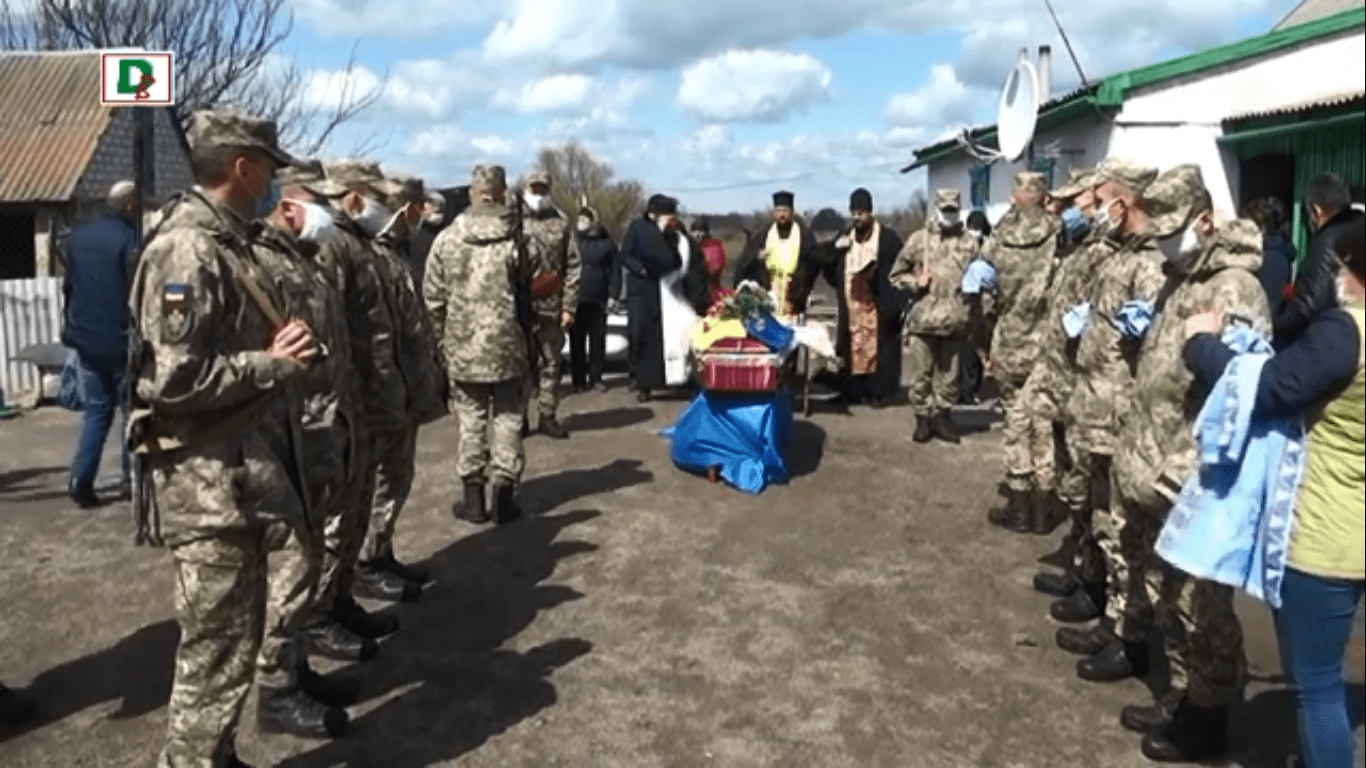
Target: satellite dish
[{"x": 1018, "y": 111}]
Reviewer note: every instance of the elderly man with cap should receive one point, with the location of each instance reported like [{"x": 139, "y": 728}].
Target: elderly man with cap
[
  {"x": 1022, "y": 250},
  {"x": 555, "y": 296},
  {"x": 1211, "y": 265},
  {"x": 1109, "y": 327},
  {"x": 931, "y": 268},
  {"x": 100, "y": 255},
  {"x": 868, "y": 340},
  {"x": 648, "y": 258},
  {"x": 216, "y": 374},
  {"x": 477, "y": 288},
  {"x": 782, "y": 259}
]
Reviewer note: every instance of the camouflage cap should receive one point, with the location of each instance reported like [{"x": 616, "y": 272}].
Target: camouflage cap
[
  {"x": 1172, "y": 198},
  {"x": 406, "y": 189},
  {"x": 488, "y": 178},
  {"x": 1127, "y": 173},
  {"x": 1030, "y": 182},
  {"x": 306, "y": 172},
  {"x": 355, "y": 170},
  {"x": 1078, "y": 180},
  {"x": 538, "y": 177},
  {"x": 948, "y": 199},
  {"x": 225, "y": 128}
]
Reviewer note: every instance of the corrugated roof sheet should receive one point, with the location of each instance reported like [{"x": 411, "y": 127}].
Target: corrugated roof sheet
[
  {"x": 51, "y": 120},
  {"x": 1325, "y": 100},
  {"x": 1312, "y": 10}
]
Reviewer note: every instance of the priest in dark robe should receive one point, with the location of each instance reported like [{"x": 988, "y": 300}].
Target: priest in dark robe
[
  {"x": 782, "y": 259},
  {"x": 868, "y": 339},
  {"x": 647, "y": 258}
]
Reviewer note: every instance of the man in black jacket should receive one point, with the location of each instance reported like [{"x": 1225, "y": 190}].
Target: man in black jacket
[
  {"x": 600, "y": 284},
  {"x": 647, "y": 258},
  {"x": 1328, "y": 205}
]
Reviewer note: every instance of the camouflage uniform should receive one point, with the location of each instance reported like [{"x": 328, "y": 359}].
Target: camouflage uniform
[
  {"x": 559, "y": 254},
  {"x": 938, "y": 318},
  {"x": 1157, "y": 451},
  {"x": 474, "y": 274},
  {"x": 216, "y": 429},
  {"x": 1022, "y": 251}
]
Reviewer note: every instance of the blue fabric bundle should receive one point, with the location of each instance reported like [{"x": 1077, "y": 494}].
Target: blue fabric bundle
[
  {"x": 1134, "y": 319},
  {"x": 773, "y": 334},
  {"x": 1076, "y": 318},
  {"x": 979, "y": 276},
  {"x": 745, "y": 436}
]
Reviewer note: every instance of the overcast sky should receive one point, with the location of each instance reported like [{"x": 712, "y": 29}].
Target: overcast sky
[{"x": 720, "y": 102}]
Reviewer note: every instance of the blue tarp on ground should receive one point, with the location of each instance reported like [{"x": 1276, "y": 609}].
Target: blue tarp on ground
[{"x": 745, "y": 436}]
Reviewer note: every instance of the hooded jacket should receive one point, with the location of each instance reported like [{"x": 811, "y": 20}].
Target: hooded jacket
[
  {"x": 1156, "y": 451},
  {"x": 1022, "y": 251}
]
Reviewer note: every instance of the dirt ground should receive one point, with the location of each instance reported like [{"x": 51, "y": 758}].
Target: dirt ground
[{"x": 863, "y": 615}]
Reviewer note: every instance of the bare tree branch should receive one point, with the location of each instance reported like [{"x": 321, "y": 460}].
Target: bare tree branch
[{"x": 578, "y": 175}]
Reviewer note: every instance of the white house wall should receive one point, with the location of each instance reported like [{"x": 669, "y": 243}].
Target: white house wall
[{"x": 1166, "y": 146}]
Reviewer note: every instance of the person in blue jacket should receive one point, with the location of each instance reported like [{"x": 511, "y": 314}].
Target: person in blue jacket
[{"x": 99, "y": 267}]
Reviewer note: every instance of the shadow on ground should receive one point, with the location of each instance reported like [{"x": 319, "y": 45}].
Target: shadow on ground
[
  {"x": 614, "y": 418},
  {"x": 22, "y": 485},
  {"x": 1263, "y": 728}
]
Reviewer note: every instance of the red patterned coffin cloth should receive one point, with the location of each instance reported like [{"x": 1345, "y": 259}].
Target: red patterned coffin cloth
[{"x": 740, "y": 365}]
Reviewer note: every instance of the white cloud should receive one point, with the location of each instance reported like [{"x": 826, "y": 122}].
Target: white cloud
[
  {"x": 941, "y": 100},
  {"x": 764, "y": 86},
  {"x": 393, "y": 19},
  {"x": 555, "y": 93}
]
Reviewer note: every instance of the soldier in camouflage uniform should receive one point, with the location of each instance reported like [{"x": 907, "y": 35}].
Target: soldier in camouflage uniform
[
  {"x": 1209, "y": 267},
  {"x": 477, "y": 288},
  {"x": 1023, "y": 248},
  {"x": 215, "y": 373},
  {"x": 560, "y": 269},
  {"x": 930, "y": 267},
  {"x": 1128, "y": 274},
  {"x": 423, "y": 379}
]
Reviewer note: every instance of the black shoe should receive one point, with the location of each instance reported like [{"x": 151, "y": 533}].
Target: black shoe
[
  {"x": 1080, "y": 607},
  {"x": 85, "y": 499},
  {"x": 642, "y": 395},
  {"x": 923, "y": 432},
  {"x": 414, "y": 573},
  {"x": 1044, "y": 512},
  {"x": 1014, "y": 515},
  {"x": 1194, "y": 735},
  {"x": 551, "y": 428},
  {"x": 349, "y": 614},
  {"x": 1118, "y": 661},
  {"x": 944, "y": 428},
  {"x": 471, "y": 508},
  {"x": 334, "y": 641},
  {"x": 291, "y": 711},
  {"x": 378, "y": 585},
  {"x": 1056, "y": 584},
  {"x": 326, "y": 691},
  {"x": 1083, "y": 642},
  {"x": 505, "y": 508},
  {"x": 1153, "y": 717},
  {"x": 16, "y": 709}
]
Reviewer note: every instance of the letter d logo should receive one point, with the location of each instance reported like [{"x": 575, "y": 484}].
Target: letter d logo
[{"x": 132, "y": 72}]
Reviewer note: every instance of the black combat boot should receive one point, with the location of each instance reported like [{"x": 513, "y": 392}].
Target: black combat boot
[
  {"x": 414, "y": 573},
  {"x": 348, "y": 613},
  {"x": 327, "y": 691},
  {"x": 923, "y": 432},
  {"x": 505, "y": 508},
  {"x": 332, "y": 640},
  {"x": 1153, "y": 717},
  {"x": 1014, "y": 516},
  {"x": 642, "y": 395},
  {"x": 944, "y": 428},
  {"x": 379, "y": 585},
  {"x": 1194, "y": 735},
  {"x": 471, "y": 508},
  {"x": 1044, "y": 511},
  {"x": 1056, "y": 584},
  {"x": 550, "y": 427},
  {"x": 16, "y": 709},
  {"x": 290, "y": 710},
  {"x": 1083, "y": 642},
  {"x": 1083, "y": 605},
  {"x": 1117, "y": 661}
]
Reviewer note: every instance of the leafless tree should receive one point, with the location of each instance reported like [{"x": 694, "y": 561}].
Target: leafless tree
[
  {"x": 223, "y": 49},
  {"x": 577, "y": 175}
]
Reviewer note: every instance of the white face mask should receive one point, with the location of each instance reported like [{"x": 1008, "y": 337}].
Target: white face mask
[
  {"x": 584, "y": 224},
  {"x": 1183, "y": 249},
  {"x": 663, "y": 221},
  {"x": 1104, "y": 223},
  {"x": 1346, "y": 297},
  {"x": 949, "y": 219},
  {"x": 373, "y": 217},
  {"x": 318, "y": 222},
  {"x": 536, "y": 202}
]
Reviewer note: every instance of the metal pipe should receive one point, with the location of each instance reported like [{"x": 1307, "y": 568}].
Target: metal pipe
[{"x": 1045, "y": 74}]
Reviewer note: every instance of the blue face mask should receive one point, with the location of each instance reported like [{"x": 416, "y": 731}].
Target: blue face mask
[
  {"x": 274, "y": 192},
  {"x": 1076, "y": 223}
]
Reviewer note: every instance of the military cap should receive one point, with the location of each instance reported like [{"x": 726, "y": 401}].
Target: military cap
[
  {"x": 304, "y": 173},
  {"x": 355, "y": 170},
  {"x": 407, "y": 189},
  {"x": 948, "y": 199},
  {"x": 1078, "y": 180},
  {"x": 1172, "y": 199},
  {"x": 538, "y": 177},
  {"x": 225, "y": 128},
  {"x": 1127, "y": 173},
  {"x": 488, "y": 178},
  {"x": 1031, "y": 182}
]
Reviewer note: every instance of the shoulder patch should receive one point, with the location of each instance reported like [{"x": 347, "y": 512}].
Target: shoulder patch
[{"x": 177, "y": 312}]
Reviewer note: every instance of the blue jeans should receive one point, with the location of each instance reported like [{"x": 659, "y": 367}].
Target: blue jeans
[
  {"x": 102, "y": 381},
  {"x": 1312, "y": 627}
]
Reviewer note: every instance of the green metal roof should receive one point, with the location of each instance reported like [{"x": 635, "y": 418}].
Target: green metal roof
[{"x": 1108, "y": 95}]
